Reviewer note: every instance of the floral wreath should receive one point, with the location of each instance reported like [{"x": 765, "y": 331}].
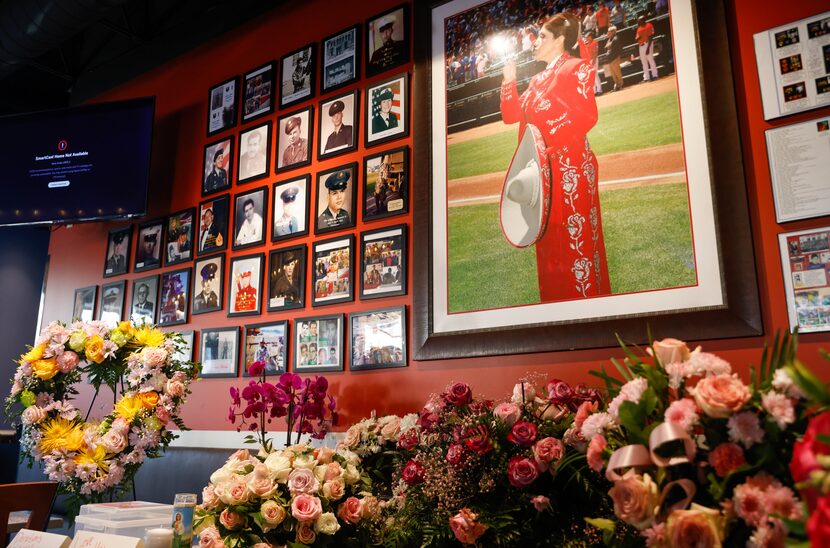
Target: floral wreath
[{"x": 92, "y": 459}]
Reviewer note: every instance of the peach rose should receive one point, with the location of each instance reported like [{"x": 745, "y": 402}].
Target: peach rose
[
  {"x": 230, "y": 519},
  {"x": 350, "y": 511},
  {"x": 234, "y": 491},
  {"x": 333, "y": 471},
  {"x": 324, "y": 455},
  {"x": 114, "y": 441},
  {"x": 272, "y": 513},
  {"x": 721, "y": 396},
  {"x": 392, "y": 429},
  {"x": 306, "y": 534},
  {"x": 635, "y": 499},
  {"x": 547, "y": 451},
  {"x": 33, "y": 415},
  {"x": 370, "y": 506},
  {"x": 334, "y": 489},
  {"x": 306, "y": 508},
  {"x": 209, "y": 537},
  {"x": 209, "y": 498},
  {"x": 352, "y": 438},
  {"x": 698, "y": 527},
  {"x": 259, "y": 482},
  {"x": 175, "y": 388},
  {"x": 154, "y": 356},
  {"x": 670, "y": 351},
  {"x": 465, "y": 527}
]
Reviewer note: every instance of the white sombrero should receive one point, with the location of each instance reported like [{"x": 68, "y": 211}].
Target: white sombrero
[{"x": 525, "y": 194}]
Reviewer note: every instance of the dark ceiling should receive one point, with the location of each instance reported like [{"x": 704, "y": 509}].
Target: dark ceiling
[{"x": 57, "y": 53}]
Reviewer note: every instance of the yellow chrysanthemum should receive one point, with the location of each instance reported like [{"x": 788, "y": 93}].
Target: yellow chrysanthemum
[
  {"x": 59, "y": 433},
  {"x": 127, "y": 327},
  {"x": 45, "y": 369},
  {"x": 149, "y": 399},
  {"x": 34, "y": 354},
  {"x": 86, "y": 456},
  {"x": 94, "y": 349},
  {"x": 129, "y": 407},
  {"x": 149, "y": 336}
]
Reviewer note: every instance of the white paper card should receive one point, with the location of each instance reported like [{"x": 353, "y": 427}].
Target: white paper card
[
  {"x": 26, "y": 538},
  {"x": 91, "y": 539}
]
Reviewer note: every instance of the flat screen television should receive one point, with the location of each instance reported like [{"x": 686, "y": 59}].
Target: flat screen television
[{"x": 78, "y": 164}]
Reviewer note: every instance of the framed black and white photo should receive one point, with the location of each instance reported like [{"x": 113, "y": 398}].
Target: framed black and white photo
[
  {"x": 112, "y": 302},
  {"x": 387, "y": 110},
  {"x": 222, "y": 106},
  {"x": 297, "y": 75},
  {"x": 383, "y": 262},
  {"x": 148, "y": 245},
  {"x": 318, "y": 344},
  {"x": 267, "y": 343},
  {"x": 118, "y": 251},
  {"x": 387, "y": 40},
  {"x": 208, "y": 283},
  {"x": 258, "y": 92},
  {"x": 173, "y": 297},
  {"x": 212, "y": 233},
  {"x": 294, "y": 139},
  {"x": 338, "y": 124},
  {"x": 254, "y": 153},
  {"x": 84, "y": 304},
  {"x": 143, "y": 306},
  {"x": 218, "y": 351},
  {"x": 290, "y": 211},
  {"x": 185, "y": 353},
  {"x": 386, "y": 184},
  {"x": 286, "y": 278},
  {"x": 178, "y": 242},
  {"x": 333, "y": 264},
  {"x": 249, "y": 218},
  {"x": 216, "y": 167},
  {"x": 378, "y": 338},
  {"x": 336, "y": 199},
  {"x": 340, "y": 59},
  {"x": 245, "y": 285}
]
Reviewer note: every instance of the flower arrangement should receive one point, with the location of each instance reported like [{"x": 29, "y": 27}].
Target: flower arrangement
[{"x": 92, "y": 459}]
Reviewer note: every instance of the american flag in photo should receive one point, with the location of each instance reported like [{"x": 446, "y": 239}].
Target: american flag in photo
[{"x": 396, "y": 99}]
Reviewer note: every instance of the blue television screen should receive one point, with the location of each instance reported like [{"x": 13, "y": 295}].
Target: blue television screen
[{"x": 78, "y": 164}]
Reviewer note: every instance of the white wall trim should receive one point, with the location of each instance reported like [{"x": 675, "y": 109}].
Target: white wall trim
[{"x": 231, "y": 439}]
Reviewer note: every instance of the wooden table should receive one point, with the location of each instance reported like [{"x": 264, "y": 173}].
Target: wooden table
[{"x": 18, "y": 520}]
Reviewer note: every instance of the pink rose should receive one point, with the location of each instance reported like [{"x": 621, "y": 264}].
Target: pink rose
[
  {"x": 560, "y": 393},
  {"x": 306, "y": 534},
  {"x": 162, "y": 414},
  {"x": 413, "y": 472},
  {"x": 694, "y": 528},
  {"x": 548, "y": 450},
  {"x": 721, "y": 396},
  {"x": 670, "y": 351},
  {"x": 306, "y": 508},
  {"x": 350, "y": 510},
  {"x": 324, "y": 455},
  {"x": 67, "y": 361},
  {"x": 302, "y": 480},
  {"x": 333, "y": 471},
  {"x": 259, "y": 482},
  {"x": 508, "y": 413},
  {"x": 231, "y": 520},
  {"x": 352, "y": 438},
  {"x": 272, "y": 513},
  {"x": 154, "y": 356},
  {"x": 465, "y": 527},
  {"x": 33, "y": 415},
  {"x": 635, "y": 499},
  {"x": 392, "y": 429},
  {"x": 595, "y": 453},
  {"x": 120, "y": 425},
  {"x": 175, "y": 388},
  {"x": 408, "y": 440},
  {"x": 209, "y": 537},
  {"x": 455, "y": 453},
  {"x": 726, "y": 457},
  {"x": 459, "y": 394},
  {"x": 334, "y": 489},
  {"x": 523, "y": 433},
  {"x": 540, "y": 502},
  {"x": 114, "y": 441},
  {"x": 521, "y": 471},
  {"x": 209, "y": 498}
]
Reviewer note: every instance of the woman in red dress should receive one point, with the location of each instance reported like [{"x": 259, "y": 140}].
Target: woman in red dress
[{"x": 559, "y": 101}]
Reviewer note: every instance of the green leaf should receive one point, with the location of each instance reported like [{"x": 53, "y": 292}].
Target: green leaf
[
  {"x": 602, "y": 523},
  {"x": 624, "y": 371}
]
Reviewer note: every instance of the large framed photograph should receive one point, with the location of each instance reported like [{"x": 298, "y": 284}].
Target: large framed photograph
[
  {"x": 387, "y": 40},
  {"x": 245, "y": 285},
  {"x": 112, "y": 302},
  {"x": 173, "y": 297},
  {"x": 378, "y": 338},
  {"x": 148, "y": 245},
  {"x": 143, "y": 307},
  {"x": 208, "y": 283},
  {"x": 118, "y": 251},
  {"x": 318, "y": 344},
  {"x": 565, "y": 240},
  {"x": 333, "y": 265},
  {"x": 297, "y": 75},
  {"x": 219, "y": 348},
  {"x": 222, "y": 106},
  {"x": 268, "y": 343},
  {"x": 291, "y": 205},
  {"x": 387, "y": 110},
  {"x": 337, "y": 128},
  {"x": 294, "y": 139},
  {"x": 254, "y": 153},
  {"x": 216, "y": 167},
  {"x": 212, "y": 234},
  {"x": 84, "y": 303},
  {"x": 258, "y": 98},
  {"x": 249, "y": 218},
  {"x": 178, "y": 242},
  {"x": 286, "y": 278},
  {"x": 341, "y": 59},
  {"x": 805, "y": 258},
  {"x": 383, "y": 262},
  {"x": 386, "y": 184},
  {"x": 336, "y": 199}
]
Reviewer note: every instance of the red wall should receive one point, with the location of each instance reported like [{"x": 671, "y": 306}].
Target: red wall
[{"x": 180, "y": 87}]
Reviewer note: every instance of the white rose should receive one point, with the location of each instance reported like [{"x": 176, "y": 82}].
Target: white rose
[
  {"x": 350, "y": 456},
  {"x": 279, "y": 467},
  {"x": 351, "y": 475},
  {"x": 320, "y": 472},
  {"x": 306, "y": 460},
  {"x": 326, "y": 524},
  {"x": 221, "y": 476}
]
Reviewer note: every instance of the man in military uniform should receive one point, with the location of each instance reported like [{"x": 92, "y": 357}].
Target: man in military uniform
[
  {"x": 179, "y": 248},
  {"x": 147, "y": 253},
  {"x": 117, "y": 261},
  {"x": 341, "y": 136},
  {"x": 391, "y": 52},
  {"x": 245, "y": 293},
  {"x": 250, "y": 230},
  {"x": 217, "y": 179},
  {"x": 334, "y": 216},
  {"x": 287, "y": 286},
  {"x": 287, "y": 223},
  {"x": 297, "y": 149},
  {"x": 143, "y": 309},
  {"x": 211, "y": 234},
  {"x": 253, "y": 161},
  {"x": 299, "y": 74},
  {"x": 207, "y": 299},
  {"x": 385, "y": 118}
]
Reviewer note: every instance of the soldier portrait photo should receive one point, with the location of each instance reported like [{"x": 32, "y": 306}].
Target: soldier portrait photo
[
  {"x": 217, "y": 166},
  {"x": 112, "y": 302},
  {"x": 387, "y": 37},
  {"x": 173, "y": 297},
  {"x": 245, "y": 285},
  {"x": 148, "y": 246},
  {"x": 297, "y": 75},
  {"x": 294, "y": 139},
  {"x": 386, "y": 110},
  {"x": 254, "y": 146},
  {"x": 286, "y": 278},
  {"x": 118, "y": 251},
  {"x": 212, "y": 231},
  {"x": 207, "y": 284},
  {"x": 178, "y": 245},
  {"x": 84, "y": 307},
  {"x": 290, "y": 215},
  {"x": 338, "y": 125},
  {"x": 249, "y": 218},
  {"x": 335, "y": 199},
  {"x": 143, "y": 309}
]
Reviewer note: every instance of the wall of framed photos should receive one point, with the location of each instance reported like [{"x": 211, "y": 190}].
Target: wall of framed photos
[{"x": 284, "y": 150}]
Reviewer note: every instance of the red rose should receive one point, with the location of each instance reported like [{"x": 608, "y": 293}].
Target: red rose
[
  {"x": 459, "y": 394},
  {"x": 521, "y": 472},
  {"x": 477, "y": 440},
  {"x": 559, "y": 392},
  {"x": 455, "y": 454},
  {"x": 523, "y": 433},
  {"x": 408, "y": 440},
  {"x": 726, "y": 457},
  {"x": 818, "y": 526},
  {"x": 805, "y": 451},
  {"x": 413, "y": 472}
]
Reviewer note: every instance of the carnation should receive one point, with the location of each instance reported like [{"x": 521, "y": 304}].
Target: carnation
[
  {"x": 596, "y": 424},
  {"x": 782, "y": 382},
  {"x": 631, "y": 391},
  {"x": 595, "y": 451},
  {"x": 682, "y": 412},
  {"x": 745, "y": 428},
  {"x": 779, "y": 407}
]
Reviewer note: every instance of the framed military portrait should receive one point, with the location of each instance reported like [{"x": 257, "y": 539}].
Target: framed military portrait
[
  {"x": 173, "y": 297},
  {"x": 249, "y": 218},
  {"x": 258, "y": 92},
  {"x": 254, "y": 153},
  {"x": 212, "y": 233},
  {"x": 266, "y": 343},
  {"x": 336, "y": 199},
  {"x": 178, "y": 240},
  {"x": 340, "y": 64},
  {"x": 218, "y": 352},
  {"x": 387, "y": 110},
  {"x": 84, "y": 303},
  {"x": 245, "y": 285},
  {"x": 378, "y": 338},
  {"x": 297, "y": 75},
  {"x": 143, "y": 306},
  {"x": 112, "y": 302},
  {"x": 338, "y": 124},
  {"x": 318, "y": 344},
  {"x": 208, "y": 283},
  {"x": 118, "y": 251},
  {"x": 383, "y": 262},
  {"x": 386, "y": 184},
  {"x": 148, "y": 246},
  {"x": 294, "y": 139},
  {"x": 333, "y": 267},
  {"x": 216, "y": 167},
  {"x": 387, "y": 40},
  {"x": 290, "y": 211},
  {"x": 286, "y": 278},
  {"x": 222, "y": 106}
]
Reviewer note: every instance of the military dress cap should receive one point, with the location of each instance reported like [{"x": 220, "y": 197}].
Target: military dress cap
[
  {"x": 387, "y": 22},
  {"x": 338, "y": 180},
  {"x": 111, "y": 293},
  {"x": 292, "y": 122},
  {"x": 289, "y": 258},
  {"x": 337, "y": 106},
  {"x": 386, "y": 95},
  {"x": 209, "y": 271},
  {"x": 289, "y": 194},
  {"x": 118, "y": 237},
  {"x": 151, "y": 237}
]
